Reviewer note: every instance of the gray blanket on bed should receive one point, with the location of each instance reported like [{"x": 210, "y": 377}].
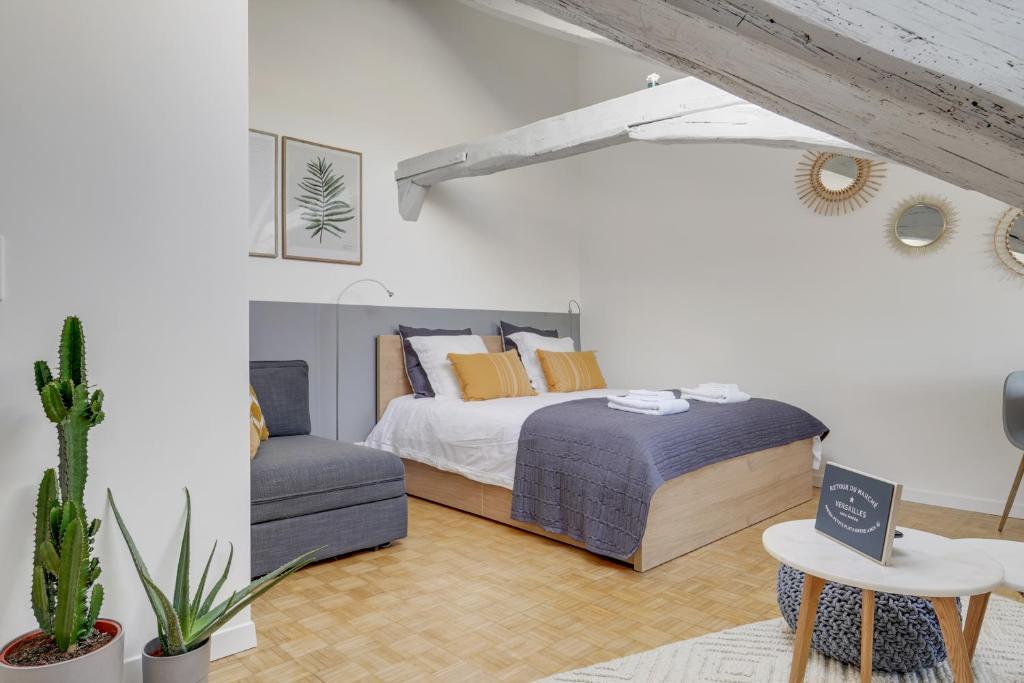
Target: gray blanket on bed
[{"x": 589, "y": 472}]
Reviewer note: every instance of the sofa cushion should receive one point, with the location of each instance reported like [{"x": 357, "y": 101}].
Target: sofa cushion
[
  {"x": 283, "y": 390},
  {"x": 301, "y": 475}
]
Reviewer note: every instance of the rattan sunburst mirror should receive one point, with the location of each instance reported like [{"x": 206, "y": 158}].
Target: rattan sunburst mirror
[
  {"x": 920, "y": 224},
  {"x": 1009, "y": 240},
  {"x": 833, "y": 184}
]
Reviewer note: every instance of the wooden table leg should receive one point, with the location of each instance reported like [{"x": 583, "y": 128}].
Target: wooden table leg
[
  {"x": 867, "y": 634},
  {"x": 953, "y": 635},
  {"x": 805, "y": 627},
  {"x": 975, "y": 617}
]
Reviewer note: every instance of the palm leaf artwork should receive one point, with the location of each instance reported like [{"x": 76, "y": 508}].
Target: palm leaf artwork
[{"x": 322, "y": 210}]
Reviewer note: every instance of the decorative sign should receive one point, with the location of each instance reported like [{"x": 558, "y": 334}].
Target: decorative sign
[{"x": 858, "y": 511}]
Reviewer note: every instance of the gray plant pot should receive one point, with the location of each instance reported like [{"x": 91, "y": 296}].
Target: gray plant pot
[
  {"x": 105, "y": 665},
  {"x": 191, "y": 667}
]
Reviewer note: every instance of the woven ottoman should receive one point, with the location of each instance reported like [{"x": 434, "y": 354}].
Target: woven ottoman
[{"x": 907, "y": 634}]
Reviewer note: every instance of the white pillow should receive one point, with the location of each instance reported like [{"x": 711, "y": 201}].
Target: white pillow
[
  {"x": 433, "y": 354},
  {"x": 528, "y": 343}
]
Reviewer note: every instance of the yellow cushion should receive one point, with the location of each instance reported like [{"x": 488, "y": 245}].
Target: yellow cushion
[
  {"x": 571, "y": 371},
  {"x": 257, "y": 425},
  {"x": 484, "y": 376}
]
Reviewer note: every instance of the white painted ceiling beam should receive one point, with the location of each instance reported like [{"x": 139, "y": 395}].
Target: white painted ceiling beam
[
  {"x": 531, "y": 17},
  {"x": 937, "y": 85},
  {"x": 682, "y": 111}
]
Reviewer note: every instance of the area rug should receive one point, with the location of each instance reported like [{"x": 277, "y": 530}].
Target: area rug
[{"x": 761, "y": 653}]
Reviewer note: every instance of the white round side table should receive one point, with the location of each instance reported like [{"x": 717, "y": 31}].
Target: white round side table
[
  {"x": 1010, "y": 554},
  {"x": 923, "y": 565}
]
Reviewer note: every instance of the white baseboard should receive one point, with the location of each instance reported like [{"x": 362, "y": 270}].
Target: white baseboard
[
  {"x": 956, "y": 501},
  {"x": 225, "y": 642}
]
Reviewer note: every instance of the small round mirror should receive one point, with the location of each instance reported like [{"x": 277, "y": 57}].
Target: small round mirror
[
  {"x": 1015, "y": 239},
  {"x": 919, "y": 225},
  {"x": 834, "y": 184},
  {"x": 838, "y": 173}
]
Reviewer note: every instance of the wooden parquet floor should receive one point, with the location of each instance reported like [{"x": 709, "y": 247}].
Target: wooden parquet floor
[{"x": 466, "y": 599}]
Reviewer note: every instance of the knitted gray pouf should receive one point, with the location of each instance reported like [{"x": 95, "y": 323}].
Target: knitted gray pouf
[{"x": 907, "y": 634}]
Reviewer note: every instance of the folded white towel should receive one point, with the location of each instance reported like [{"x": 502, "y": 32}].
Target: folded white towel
[
  {"x": 648, "y": 394},
  {"x": 672, "y": 407},
  {"x": 717, "y": 386},
  {"x": 715, "y": 396},
  {"x": 639, "y": 403}
]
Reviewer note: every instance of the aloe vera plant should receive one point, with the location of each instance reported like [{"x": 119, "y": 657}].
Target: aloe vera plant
[
  {"x": 66, "y": 599},
  {"x": 184, "y": 623}
]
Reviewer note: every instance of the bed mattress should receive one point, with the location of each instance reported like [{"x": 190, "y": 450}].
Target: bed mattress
[{"x": 476, "y": 439}]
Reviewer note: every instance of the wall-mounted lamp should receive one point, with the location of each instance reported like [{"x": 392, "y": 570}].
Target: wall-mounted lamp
[
  {"x": 337, "y": 347},
  {"x": 578, "y": 312}
]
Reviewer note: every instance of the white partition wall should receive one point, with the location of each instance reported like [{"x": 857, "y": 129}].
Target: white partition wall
[{"x": 123, "y": 187}]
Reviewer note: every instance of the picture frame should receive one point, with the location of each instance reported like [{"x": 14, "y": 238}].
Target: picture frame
[
  {"x": 263, "y": 194},
  {"x": 321, "y": 202},
  {"x": 858, "y": 510}
]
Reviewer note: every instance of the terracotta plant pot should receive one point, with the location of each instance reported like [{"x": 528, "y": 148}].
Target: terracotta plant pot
[
  {"x": 191, "y": 667},
  {"x": 105, "y": 665}
]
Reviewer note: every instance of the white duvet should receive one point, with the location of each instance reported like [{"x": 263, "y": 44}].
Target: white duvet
[{"x": 477, "y": 439}]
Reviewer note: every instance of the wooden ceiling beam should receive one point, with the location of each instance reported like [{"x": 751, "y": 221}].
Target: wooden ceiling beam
[
  {"x": 937, "y": 85},
  {"x": 682, "y": 111}
]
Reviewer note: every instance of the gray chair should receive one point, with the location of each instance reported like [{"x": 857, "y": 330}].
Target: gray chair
[
  {"x": 308, "y": 491},
  {"x": 1013, "y": 424}
]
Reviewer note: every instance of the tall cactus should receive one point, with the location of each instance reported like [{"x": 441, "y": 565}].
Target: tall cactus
[{"x": 64, "y": 570}]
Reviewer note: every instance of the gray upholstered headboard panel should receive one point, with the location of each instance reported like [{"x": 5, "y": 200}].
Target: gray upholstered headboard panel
[{"x": 288, "y": 331}]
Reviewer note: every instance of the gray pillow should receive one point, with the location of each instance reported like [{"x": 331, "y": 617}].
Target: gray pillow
[
  {"x": 282, "y": 388},
  {"x": 414, "y": 371},
  {"x": 505, "y": 329}
]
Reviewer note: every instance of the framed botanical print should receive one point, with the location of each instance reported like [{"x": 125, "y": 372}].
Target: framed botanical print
[
  {"x": 262, "y": 194},
  {"x": 322, "y": 203}
]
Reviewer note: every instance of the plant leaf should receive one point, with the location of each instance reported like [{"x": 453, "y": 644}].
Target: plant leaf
[
  {"x": 220, "y": 582},
  {"x": 222, "y": 613},
  {"x": 197, "y": 600},
  {"x": 181, "y": 587},
  {"x": 140, "y": 567},
  {"x": 175, "y": 643}
]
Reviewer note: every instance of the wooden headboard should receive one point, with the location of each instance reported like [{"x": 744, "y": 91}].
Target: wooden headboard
[{"x": 392, "y": 381}]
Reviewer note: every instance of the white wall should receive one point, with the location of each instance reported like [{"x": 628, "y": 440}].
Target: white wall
[
  {"x": 396, "y": 78},
  {"x": 124, "y": 199},
  {"x": 700, "y": 264}
]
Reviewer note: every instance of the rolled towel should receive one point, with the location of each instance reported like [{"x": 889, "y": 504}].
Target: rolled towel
[
  {"x": 715, "y": 396},
  {"x": 710, "y": 387},
  {"x": 672, "y": 407},
  {"x": 639, "y": 403},
  {"x": 647, "y": 394}
]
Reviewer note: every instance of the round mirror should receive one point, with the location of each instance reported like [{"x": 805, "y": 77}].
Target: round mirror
[
  {"x": 1009, "y": 240},
  {"x": 838, "y": 173},
  {"x": 1015, "y": 239},
  {"x": 920, "y": 225},
  {"x": 834, "y": 184}
]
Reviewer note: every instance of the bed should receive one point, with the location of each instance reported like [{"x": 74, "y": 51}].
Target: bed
[{"x": 463, "y": 455}]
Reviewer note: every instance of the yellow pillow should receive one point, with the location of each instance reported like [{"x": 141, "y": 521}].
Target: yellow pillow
[
  {"x": 571, "y": 371},
  {"x": 484, "y": 376},
  {"x": 257, "y": 425}
]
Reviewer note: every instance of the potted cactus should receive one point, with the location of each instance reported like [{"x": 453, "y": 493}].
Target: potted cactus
[
  {"x": 72, "y": 643},
  {"x": 181, "y": 651}
]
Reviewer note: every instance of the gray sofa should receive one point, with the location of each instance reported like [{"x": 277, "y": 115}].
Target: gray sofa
[{"x": 308, "y": 491}]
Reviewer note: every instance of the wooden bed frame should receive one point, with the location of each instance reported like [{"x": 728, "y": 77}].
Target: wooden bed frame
[{"x": 686, "y": 512}]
